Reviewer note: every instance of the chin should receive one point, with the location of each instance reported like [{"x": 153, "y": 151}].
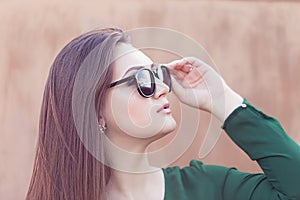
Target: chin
[{"x": 170, "y": 125}]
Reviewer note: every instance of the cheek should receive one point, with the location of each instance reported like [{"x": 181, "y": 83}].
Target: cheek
[
  {"x": 127, "y": 111},
  {"x": 139, "y": 110},
  {"x": 135, "y": 115}
]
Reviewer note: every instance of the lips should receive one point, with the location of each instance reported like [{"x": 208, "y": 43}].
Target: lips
[{"x": 165, "y": 108}]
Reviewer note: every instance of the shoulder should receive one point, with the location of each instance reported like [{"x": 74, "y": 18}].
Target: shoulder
[
  {"x": 198, "y": 172},
  {"x": 195, "y": 181}
]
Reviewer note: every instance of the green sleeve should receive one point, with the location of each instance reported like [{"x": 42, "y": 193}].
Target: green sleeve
[{"x": 265, "y": 141}]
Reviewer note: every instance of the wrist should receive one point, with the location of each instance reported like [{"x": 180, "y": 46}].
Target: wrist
[
  {"x": 229, "y": 102},
  {"x": 233, "y": 100}
]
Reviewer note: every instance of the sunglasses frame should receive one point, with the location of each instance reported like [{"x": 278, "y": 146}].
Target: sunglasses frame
[{"x": 153, "y": 74}]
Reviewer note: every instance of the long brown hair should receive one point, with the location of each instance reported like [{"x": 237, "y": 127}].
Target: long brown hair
[{"x": 63, "y": 167}]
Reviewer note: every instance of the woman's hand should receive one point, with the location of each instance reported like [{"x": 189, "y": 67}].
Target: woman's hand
[{"x": 197, "y": 84}]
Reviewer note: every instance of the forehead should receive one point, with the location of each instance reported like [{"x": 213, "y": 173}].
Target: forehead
[{"x": 125, "y": 57}]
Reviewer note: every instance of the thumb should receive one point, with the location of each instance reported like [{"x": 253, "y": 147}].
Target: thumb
[
  {"x": 186, "y": 96},
  {"x": 178, "y": 89}
]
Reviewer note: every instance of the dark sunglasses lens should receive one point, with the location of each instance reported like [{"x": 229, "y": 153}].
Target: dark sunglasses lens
[
  {"x": 145, "y": 82},
  {"x": 164, "y": 75}
]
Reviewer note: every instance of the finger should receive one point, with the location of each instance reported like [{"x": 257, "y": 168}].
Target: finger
[
  {"x": 194, "y": 61},
  {"x": 176, "y": 64},
  {"x": 194, "y": 77},
  {"x": 188, "y": 64},
  {"x": 177, "y": 88},
  {"x": 187, "y": 68},
  {"x": 178, "y": 74},
  {"x": 199, "y": 64}
]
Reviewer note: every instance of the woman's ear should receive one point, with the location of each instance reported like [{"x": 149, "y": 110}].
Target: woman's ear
[
  {"x": 102, "y": 121},
  {"x": 102, "y": 126}
]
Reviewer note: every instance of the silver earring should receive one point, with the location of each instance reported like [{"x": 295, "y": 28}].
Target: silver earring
[{"x": 102, "y": 128}]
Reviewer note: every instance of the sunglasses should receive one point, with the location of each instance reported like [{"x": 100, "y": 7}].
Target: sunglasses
[{"x": 144, "y": 79}]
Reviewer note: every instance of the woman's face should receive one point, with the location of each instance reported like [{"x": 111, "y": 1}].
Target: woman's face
[{"x": 126, "y": 112}]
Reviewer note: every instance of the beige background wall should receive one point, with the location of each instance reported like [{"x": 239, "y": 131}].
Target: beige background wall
[{"x": 256, "y": 46}]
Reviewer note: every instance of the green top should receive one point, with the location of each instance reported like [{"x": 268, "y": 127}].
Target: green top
[{"x": 265, "y": 141}]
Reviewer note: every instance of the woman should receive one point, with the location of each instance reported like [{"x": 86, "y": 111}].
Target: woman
[{"x": 112, "y": 73}]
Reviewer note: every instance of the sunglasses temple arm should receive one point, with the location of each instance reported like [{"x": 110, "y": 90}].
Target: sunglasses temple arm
[{"x": 120, "y": 81}]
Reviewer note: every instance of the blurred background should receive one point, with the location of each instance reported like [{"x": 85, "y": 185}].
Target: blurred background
[{"x": 255, "y": 44}]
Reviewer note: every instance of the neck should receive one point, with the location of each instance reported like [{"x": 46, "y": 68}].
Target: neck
[
  {"x": 124, "y": 185},
  {"x": 127, "y": 154},
  {"x": 132, "y": 176}
]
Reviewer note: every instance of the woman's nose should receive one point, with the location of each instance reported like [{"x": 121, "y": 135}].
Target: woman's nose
[{"x": 161, "y": 89}]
